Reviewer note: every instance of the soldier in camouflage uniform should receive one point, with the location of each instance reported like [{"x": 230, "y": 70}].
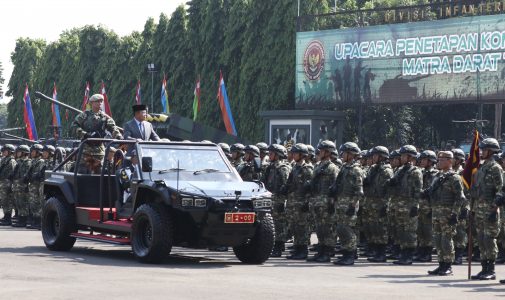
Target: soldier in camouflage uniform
[
  {"x": 488, "y": 184},
  {"x": 298, "y": 193},
  {"x": 461, "y": 238},
  {"x": 500, "y": 240},
  {"x": 378, "y": 200},
  {"x": 348, "y": 189},
  {"x": 20, "y": 185},
  {"x": 275, "y": 179},
  {"x": 248, "y": 170},
  {"x": 394, "y": 192},
  {"x": 48, "y": 156},
  {"x": 410, "y": 181},
  {"x": 427, "y": 161},
  {"x": 322, "y": 204},
  {"x": 446, "y": 195},
  {"x": 237, "y": 152},
  {"x": 226, "y": 149},
  {"x": 35, "y": 176},
  {"x": 7, "y": 166},
  {"x": 93, "y": 124},
  {"x": 263, "y": 152}
]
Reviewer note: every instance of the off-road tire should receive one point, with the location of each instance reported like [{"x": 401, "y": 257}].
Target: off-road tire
[
  {"x": 152, "y": 233},
  {"x": 257, "y": 250},
  {"x": 57, "y": 224}
]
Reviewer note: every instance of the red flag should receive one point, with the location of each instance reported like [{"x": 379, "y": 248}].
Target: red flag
[
  {"x": 224, "y": 104},
  {"x": 473, "y": 161},
  {"x": 105, "y": 103},
  {"x": 55, "y": 109},
  {"x": 138, "y": 96},
  {"x": 31, "y": 130},
  {"x": 86, "y": 97}
]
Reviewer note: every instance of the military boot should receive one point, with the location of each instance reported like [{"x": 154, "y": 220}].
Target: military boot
[
  {"x": 423, "y": 254},
  {"x": 458, "y": 256},
  {"x": 35, "y": 223},
  {"x": 435, "y": 271},
  {"x": 6, "y": 221},
  {"x": 346, "y": 260},
  {"x": 482, "y": 271},
  {"x": 370, "y": 250},
  {"x": 301, "y": 253},
  {"x": 489, "y": 274},
  {"x": 446, "y": 269},
  {"x": 476, "y": 254},
  {"x": 278, "y": 248},
  {"x": 405, "y": 257},
  {"x": 501, "y": 255},
  {"x": 314, "y": 247},
  {"x": 325, "y": 255},
  {"x": 20, "y": 222},
  {"x": 380, "y": 254},
  {"x": 395, "y": 252}
]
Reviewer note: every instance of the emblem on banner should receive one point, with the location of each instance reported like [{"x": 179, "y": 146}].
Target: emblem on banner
[{"x": 313, "y": 60}]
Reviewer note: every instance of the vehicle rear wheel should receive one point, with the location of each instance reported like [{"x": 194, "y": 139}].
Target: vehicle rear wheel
[
  {"x": 152, "y": 233},
  {"x": 257, "y": 250},
  {"x": 57, "y": 223}
]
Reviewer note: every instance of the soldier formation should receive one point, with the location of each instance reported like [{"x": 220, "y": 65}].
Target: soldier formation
[{"x": 399, "y": 205}]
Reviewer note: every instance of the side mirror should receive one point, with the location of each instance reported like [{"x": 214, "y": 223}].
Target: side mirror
[
  {"x": 257, "y": 164},
  {"x": 147, "y": 164}
]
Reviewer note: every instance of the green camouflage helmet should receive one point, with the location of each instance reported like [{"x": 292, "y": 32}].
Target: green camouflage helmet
[
  {"x": 225, "y": 147},
  {"x": 253, "y": 150},
  {"x": 428, "y": 154},
  {"x": 350, "y": 147},
  {"x": 409, "y": 149},
  {"x": 326, "y": 145},
  {"x": 9, "y": 147},
  {"x": 37, "y": 147},
  {"x": 380, "y": 150},
  {"x": 458, "y": 153},
  {"x": 23, "y": 149},
  {"x": 312, "y": 151},
  {"x": 238, "y": 147},
  {"x": 300, "y": 148},
  {"x": 490, "y": 144},
  {"x": 49, "y": 148},
  {"x": 394, "y": 154},
  {"x": 262, "y": 146},
  {"x": 279, "y": 150}
]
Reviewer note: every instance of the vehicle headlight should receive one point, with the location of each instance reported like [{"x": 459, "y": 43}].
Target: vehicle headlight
[
  {"x": 262, "y": 203},
  {"x": 200, "y": 202},
  {"x": 186, "y": 201}
]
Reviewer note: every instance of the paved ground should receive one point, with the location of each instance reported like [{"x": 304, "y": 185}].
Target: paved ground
[{"x": 99, "y": 271}]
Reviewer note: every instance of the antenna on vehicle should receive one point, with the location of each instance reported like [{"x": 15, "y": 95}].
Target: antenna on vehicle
[{"x": 178, "y": 176}]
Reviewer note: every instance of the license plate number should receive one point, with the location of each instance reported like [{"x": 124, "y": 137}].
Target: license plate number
[{"x": 239, "y": 217}]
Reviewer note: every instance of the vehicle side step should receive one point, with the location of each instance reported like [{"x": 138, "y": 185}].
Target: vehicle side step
[{"x": 101, "y": 238}]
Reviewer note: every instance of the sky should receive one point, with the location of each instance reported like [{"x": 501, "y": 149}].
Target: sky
[{"x": 47, "y": 19}]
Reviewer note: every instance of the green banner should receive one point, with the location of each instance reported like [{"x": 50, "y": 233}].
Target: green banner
[{"x": 453, "y": 60}]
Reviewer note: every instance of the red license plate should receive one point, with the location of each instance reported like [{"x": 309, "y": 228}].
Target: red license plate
[{"x": 239, "y": 217}]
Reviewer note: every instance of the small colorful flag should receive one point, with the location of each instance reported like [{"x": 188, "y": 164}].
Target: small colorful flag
[
  {"x": 55, "y": 109},
  {"x": 138, "y": 95},
  {"x": 473, "y": 162},
  {"x": 31, "y": 129},
  {"x": 196, "y": 100},
  {"x": 85, "y": 104},
  {"x": 105, "y": 103},
  {"x": 164, "y": 96},
  {"x": 222, "y": 97}
]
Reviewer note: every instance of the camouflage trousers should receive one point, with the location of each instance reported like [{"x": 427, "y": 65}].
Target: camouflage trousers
[
  {"x": 443, "y": 234},
  {"x": 299, "y": 221},
  {"x": 487, "y": 231},
  {"x": 377, "y": 222},
  {"x": 6, "y": 200},
  {"x": 406, "y": 229},
  {"x": 20, "y": 197},
  {"x": 324, "y": 220},
  {"x": 346, "y": 224},
  {"x": 35, "y": 199},
  {"x": 500, "y": 240},
  {"x": 280, "y": 219},
  {"x": 393, "y": 221},
  {"x": 425, "y": 226},
  {"x": 461, "y": 237}
]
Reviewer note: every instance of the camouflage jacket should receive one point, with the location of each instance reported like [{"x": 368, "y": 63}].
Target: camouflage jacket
[
  {"x": 276, "y": 176},
  {"x": 7, "y": 166},
  {"x": 488, "y": 182},
  {"x": 446, "y": 191},
  {"x": 36, "y": 171},
  {"x": 410, "y": 181},
  {"x": 325, "y": 173},
  {"x": 248, "y": 172},
  {"x": 22, "y": 168},
  {"x": 88, "y": 122},
  {"x": 299, "y": 179},
  {"x": 350, "y": 180},
  {"x": 236, "y": 163},
  {"x": 377, "y": 180},
  {"x": 429, "y": 176}
]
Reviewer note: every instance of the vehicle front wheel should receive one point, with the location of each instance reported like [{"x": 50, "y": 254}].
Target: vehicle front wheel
[
  {"x": 257, "y": 250},
  {"x": 57, "y": 224},
  {"x": 152, "y": 233}
]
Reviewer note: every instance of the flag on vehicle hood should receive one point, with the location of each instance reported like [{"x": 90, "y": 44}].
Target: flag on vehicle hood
[
  {"x": 105, "y": 103},
  {"x": 473, "y": 161},
  {"x": 85, "y": 104},
  {"x": 222, "y": 98},
  {"x": 31, "y": 129},
  {"x": 55, "y": 109}
]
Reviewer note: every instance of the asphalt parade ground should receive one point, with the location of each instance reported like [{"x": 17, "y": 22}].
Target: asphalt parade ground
[{"x": 100, "y": 271}]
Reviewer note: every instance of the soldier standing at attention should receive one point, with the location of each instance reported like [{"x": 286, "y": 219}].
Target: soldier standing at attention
[
  {"x": 226, "y": 149},
  {"x": 7, "y": 166},
  {"x": 237, "y": 152},
  {"x": 35, "y": 176},
  {"x": 394, "y": 193},
  {"x": 323, "y": 206},
  {"x": 48, "y": 156},
  {"x": 446, "y": 196},
  {"x": 298, "y": 188},
  {"x": 93, "y": 124},
  {"x": 20, "y": 185},
  {"x": 247, "y": 170},
  {"x": 409, "y": 178},
  {"x": 378, "y": 200},
  {"x": 348, "y": 189},
  {"x": 461, "y": 238},
  {"x": 488, "y": 184},
  {"x": 275, "y": 179},
  {"x": 427, "y": 161}
]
